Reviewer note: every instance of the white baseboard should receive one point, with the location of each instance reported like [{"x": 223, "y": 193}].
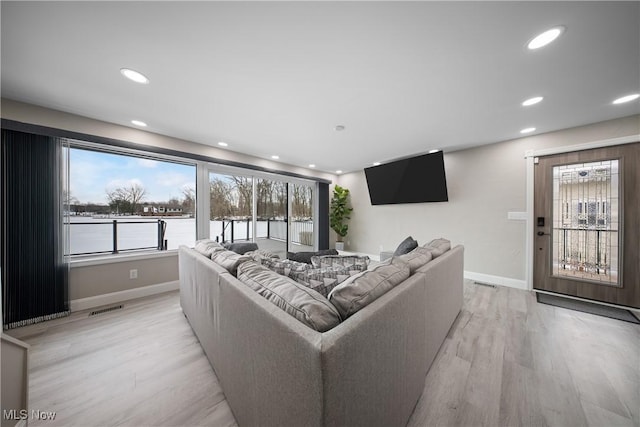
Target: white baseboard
[
  {"x": 496, "y": 280},
  {"x": 114, "y": 297}
]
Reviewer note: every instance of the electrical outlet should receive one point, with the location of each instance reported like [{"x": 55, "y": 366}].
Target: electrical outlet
[{"x": 133, "y": 274}]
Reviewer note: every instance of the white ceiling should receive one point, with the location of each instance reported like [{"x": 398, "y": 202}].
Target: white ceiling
[{"x": 276, "y": 78}]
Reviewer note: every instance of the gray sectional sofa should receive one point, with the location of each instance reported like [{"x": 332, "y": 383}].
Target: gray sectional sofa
[{"x": 369, "y": 370}]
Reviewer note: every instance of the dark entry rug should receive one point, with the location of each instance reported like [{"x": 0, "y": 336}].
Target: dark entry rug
[{"x": 588, "y": 307}]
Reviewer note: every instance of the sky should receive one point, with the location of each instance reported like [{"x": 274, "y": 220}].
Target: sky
[{"x": 93, "y": 173}]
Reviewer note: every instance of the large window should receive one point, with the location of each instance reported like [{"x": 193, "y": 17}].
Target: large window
[
  {"x": 121, "y": 202},
  {"x": 276, "y": 212}
]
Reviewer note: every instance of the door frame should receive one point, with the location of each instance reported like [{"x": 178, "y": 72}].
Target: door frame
[{"x": 530, "y": 157}]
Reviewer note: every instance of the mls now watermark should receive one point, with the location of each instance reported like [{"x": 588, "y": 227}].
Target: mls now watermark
[{"x": 23, "y": 414}]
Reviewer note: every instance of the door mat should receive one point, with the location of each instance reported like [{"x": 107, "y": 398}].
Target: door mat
[{"x": 588, "y": 307}]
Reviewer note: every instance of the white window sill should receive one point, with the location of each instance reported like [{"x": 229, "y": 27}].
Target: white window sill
[{"x": 111, "y": 259}]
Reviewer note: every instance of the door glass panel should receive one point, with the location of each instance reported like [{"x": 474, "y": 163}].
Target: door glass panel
[
  {"x": 271, "y": 213},
  {"x": 302, "y": 233},
  {"x": 231, "y": 208},
  {"x": 586, "y": 225}
]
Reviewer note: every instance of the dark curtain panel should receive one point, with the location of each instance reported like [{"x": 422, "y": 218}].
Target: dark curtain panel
[
  {"x": 34, "y": 272},
  {"x": 323, "y": 216}
]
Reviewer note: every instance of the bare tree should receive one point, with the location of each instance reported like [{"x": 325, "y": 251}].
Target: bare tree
[{"x": 126, "y": 199}]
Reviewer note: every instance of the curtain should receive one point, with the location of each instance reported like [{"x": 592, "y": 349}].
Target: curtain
[{"x": 35, "y": 272}]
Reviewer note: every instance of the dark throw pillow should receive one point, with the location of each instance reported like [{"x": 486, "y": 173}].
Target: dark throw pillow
[
  {"x": 406, "y": 246},
  {"x": 306, "y": 256},
  {"x": 241, "y": 247}
]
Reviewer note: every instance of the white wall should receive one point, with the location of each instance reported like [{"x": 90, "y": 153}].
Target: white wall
[{"x": 484, "y": 184}]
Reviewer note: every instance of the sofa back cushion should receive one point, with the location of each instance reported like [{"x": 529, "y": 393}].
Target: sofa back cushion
[
  {"x": 438, "y": 246},
  {"x": 207, "y": 247},
  {"x": 301, "y": 302},
  {"x": 353, "y": 263},
  {"x": 417, "y": 258},
  {"x": 361, "y": 289},
  {"x": 229, "y": 260},
  {"x": 259, "y": 254}
]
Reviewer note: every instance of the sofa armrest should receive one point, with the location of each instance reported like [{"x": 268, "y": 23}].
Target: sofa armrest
[
  {"x": 373, "y": 363},
  {"x": 269, "y": 364}
]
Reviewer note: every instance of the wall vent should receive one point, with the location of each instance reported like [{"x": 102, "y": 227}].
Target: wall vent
[
  {"x": 485, "y": 284},
  {"x": 106, "y": 310}
]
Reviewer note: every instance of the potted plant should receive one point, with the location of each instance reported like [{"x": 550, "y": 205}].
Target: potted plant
[{"x": 338, "y": 213}]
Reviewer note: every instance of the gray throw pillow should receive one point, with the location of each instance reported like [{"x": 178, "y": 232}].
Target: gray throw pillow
[
  {"x": 322, "y": 280},
  {"x": 305, "y": 304},
  {"x": 406, "y": 246},
  {"x": 241, "y": 247},
  {"x": 360, "y": 290}
]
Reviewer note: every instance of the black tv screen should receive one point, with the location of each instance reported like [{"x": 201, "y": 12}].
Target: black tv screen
[{"x": 415, "y": 180}]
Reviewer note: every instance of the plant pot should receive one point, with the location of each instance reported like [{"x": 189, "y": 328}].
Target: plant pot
[{"x": 339, "y": 246}]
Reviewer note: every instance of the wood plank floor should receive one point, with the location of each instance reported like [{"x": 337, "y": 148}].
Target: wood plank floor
[{"x": 507, "y": 361}]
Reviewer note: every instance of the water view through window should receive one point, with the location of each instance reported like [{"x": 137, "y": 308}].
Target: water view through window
[{"x": 122, "y": 203}]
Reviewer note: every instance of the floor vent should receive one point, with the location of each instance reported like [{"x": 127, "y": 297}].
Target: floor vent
[
  {"x": 106, "y": 310},
  {"x": 489, "y": 285}
]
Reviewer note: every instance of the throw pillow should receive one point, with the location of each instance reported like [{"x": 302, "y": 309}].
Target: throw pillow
[
  {"x": 240, "y": 247},
  {"x": 305, "y": 304},
  {"x": 417, "y": 258},
  {"x": 351, "y": 262},
  {"x": 229, "y": 260},
  {"x": 406, "y": 246},
  {"x": 322, "y": 280},
  {"x": 306, "y": 256},
  {"x": 438, "y": 246},
  {"x": 284, "y": 266},
  {"x": 207, "y": 247},
  {"x": 360, "y": 290}
]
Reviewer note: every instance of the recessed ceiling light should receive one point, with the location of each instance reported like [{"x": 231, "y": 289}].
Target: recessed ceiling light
[
  {"x": 376, "y": 163},
  {"x": 338, "y": 171},
  {"x": 627, "y": 98},
  {"x": 545, "y": 38},
  {"x": 223, "y": 144},
  {"x": 274, "y": 157},
  {"x": 339, "y": 127},
  {"x": 139, "y": 123},
  {"x": 527, "y": 130},
  {"x": 433, "y": 151},
  {"x": 532, "y": 101},
  {"x": 312, "y": 165},
  {"x": 134, "y": 75}
]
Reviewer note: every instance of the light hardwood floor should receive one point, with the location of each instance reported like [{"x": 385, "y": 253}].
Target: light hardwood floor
[{"x": 507, "y": 361}]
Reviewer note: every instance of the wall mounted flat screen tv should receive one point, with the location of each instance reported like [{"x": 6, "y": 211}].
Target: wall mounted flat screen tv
[{"x": 414, "y": 180}]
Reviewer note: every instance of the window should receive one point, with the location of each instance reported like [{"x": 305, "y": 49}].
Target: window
[{"x": 121, "y": 202}]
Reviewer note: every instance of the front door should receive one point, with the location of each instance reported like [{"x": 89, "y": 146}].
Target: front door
[{"x": 587, "y": 224}]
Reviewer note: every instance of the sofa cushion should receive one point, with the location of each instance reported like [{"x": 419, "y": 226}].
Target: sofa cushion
[
  {"x": 207, "y": 246},
  {"x": 417, "y": 258},
  {"x": 301, "y": 302},
  {"x": 438, "y": 246},
  {"x": 406, "y": 246},
  {"x": 350, "y": 262},
  {"x": 323, "y": 279},
  {"x": 240, "y": 247},
  {"x": 229, "y": 260},
  {"x": 361, "y": 289},
  {"x": 306, "y": 256},
  {"x": 284, "y": 266}
]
